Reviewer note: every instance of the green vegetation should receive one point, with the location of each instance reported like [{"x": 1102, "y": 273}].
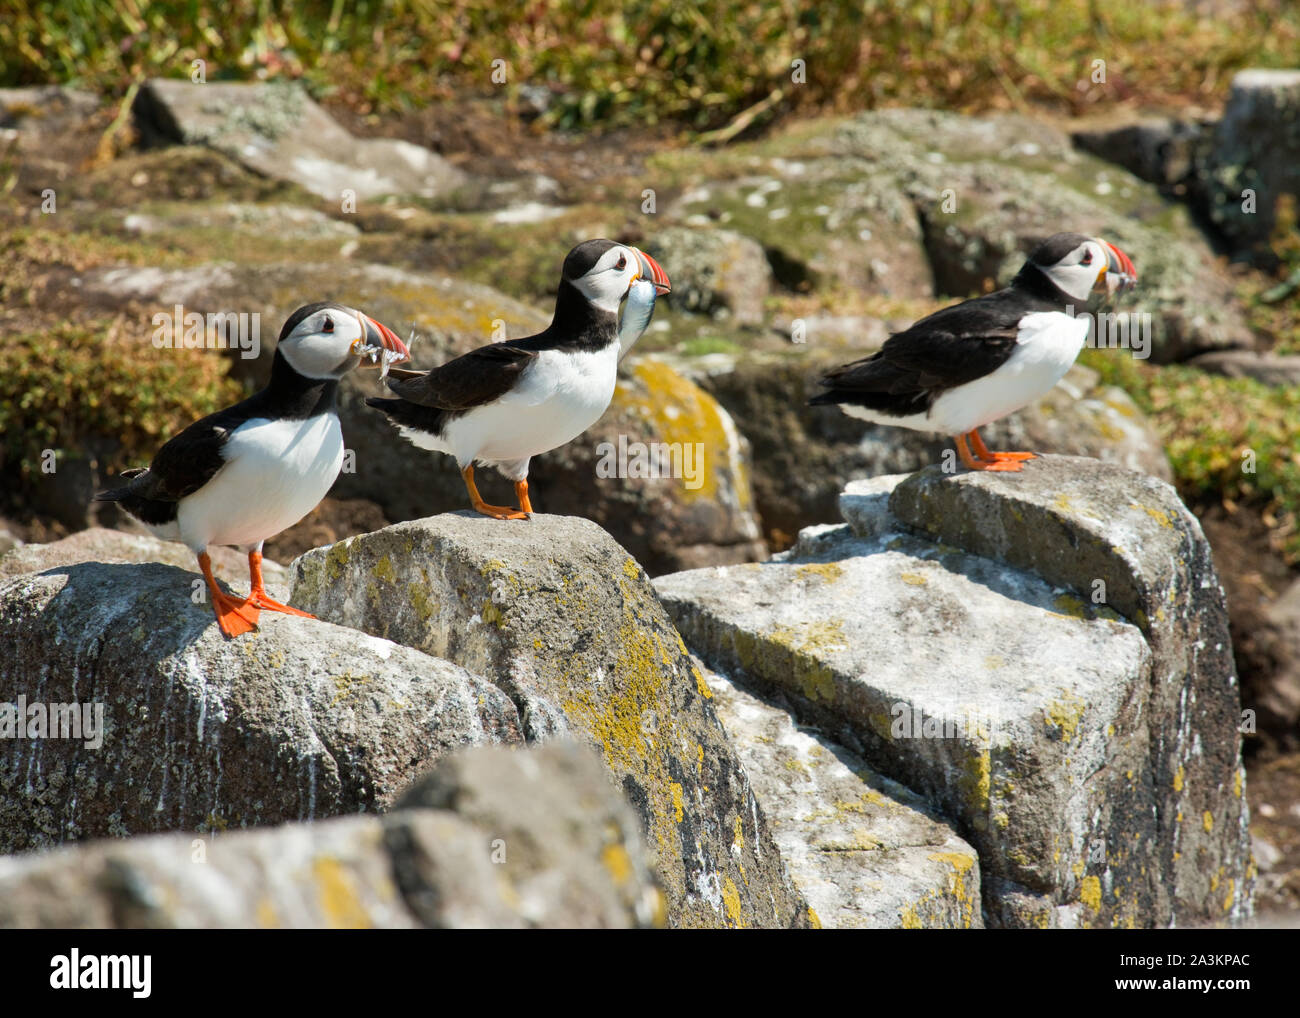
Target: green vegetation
[
  {"x": 76, "y": 380},
  {"x": 643, "y": 61},
  {"x": 1215, "y": 430}
]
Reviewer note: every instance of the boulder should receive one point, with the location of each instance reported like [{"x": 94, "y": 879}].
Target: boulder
[
  {"x": 1162, "y": 150},
  {"x": 715, "y": 272},
  {"x": 492, "y": 838},
  {"x": 563, "y": 620},
  {"x": 276, "y": 129},
  {"x": 1043, "y": 656},
  {"x": 98, "y": 544},
  {"x": 1255, "y": 147},
  {"x": 863, "y": 850},
  {"x": 194, "y": 732}
]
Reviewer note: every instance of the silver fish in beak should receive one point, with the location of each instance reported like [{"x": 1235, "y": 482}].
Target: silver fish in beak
[
  {"x": 381, "y": 344},
  {"x": 638, "y": 309}
]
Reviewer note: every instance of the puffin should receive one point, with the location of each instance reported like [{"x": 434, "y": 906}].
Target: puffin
[
  {"x": 968, "y": 365},
  {"x": 245, "y": 473},
  {"x": 503, "y": 403}
]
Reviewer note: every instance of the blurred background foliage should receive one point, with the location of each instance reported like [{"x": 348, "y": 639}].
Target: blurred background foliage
[{"x": 640, "y": 62}]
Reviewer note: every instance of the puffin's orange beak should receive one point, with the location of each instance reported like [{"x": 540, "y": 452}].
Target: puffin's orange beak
[
  {"x": 1120, "y": 273},
  {"x": 650, "y": 270}
]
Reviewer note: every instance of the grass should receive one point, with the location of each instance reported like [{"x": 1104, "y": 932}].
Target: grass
[{"x": 645, "y": 61}]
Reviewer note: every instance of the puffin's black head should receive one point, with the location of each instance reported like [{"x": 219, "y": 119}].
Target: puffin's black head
[
  {"x": 325, "y": 340},
  {"x": 1076, "y": 265},
  {"x": 603, "y": 271}
]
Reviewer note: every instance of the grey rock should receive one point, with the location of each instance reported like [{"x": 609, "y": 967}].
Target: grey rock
[
  {"x": 864, "y": 851},
  {"x": 532, "y": 838},
  {"x": 1271, "y": 369},
  {"x": 714, "y": 272},
  {"x": 1090, "y": 752},
  {"x": 277, "y": 130},
  {"x": 560, "y": 842},
  {"x": 299, "y": 721},
  {"x": 1161, "y": 150},
  {"x": 562, "y": 619},
  {"x": 1255, "y": 147}
]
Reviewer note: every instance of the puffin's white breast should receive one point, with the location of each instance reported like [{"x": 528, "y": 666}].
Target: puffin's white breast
[
  {"x": 276, "y": 472},
  {"x": 558, "y": 398}
]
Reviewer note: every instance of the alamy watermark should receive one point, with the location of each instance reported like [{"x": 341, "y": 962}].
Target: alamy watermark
[
  {"x": 179, "y": 329},
  {"x": 1123, "y": 330},
  {"x": 682, "y": 460},
  {"x": 79, "y": 721}
]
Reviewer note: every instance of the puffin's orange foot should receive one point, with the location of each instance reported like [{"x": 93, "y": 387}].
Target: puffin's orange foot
[
  {"x": 260, "y": 600},
  {"x": 499, "y": 512},
  {"x": 234, "y": 616},
  {"x": 998, "y": 466},
  {"x": 982, "y": 451}
]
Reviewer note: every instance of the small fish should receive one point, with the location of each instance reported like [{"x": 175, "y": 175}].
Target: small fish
[
  {"x": 375, "y": 353},
  {"x": 637, "y": 312}
]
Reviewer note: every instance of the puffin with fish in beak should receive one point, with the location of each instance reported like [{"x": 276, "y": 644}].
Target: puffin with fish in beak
[
  {"x": 506, "y": 402},
  {"x": 244, "y": 474},
  {"x": 970, "y": 364}
]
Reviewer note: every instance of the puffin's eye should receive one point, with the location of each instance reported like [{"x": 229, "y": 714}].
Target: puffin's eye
[
  {"x": 329, "y": 325},
  {"x": 1087, "y": 258},
  {"x": 622, "y": 263}
]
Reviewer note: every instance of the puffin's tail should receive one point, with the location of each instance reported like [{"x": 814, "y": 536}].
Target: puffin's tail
[
  {"x": 136, "y": 480},
  {"x": 405, "y": 414}
]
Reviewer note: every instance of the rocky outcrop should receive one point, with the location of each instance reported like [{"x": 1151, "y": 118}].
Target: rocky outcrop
[
  {"x": 915, "y": 203},
  {"x": 138, "y": 716},
  {"x": 1044, "y": 656},
  {"x": 715, "y": 272},
  {"x": 491, "y": 838},
  {"x": 865, "y": 852},
  {"x": 277, "y": 130},
  {"x": 566, "y": 622}
]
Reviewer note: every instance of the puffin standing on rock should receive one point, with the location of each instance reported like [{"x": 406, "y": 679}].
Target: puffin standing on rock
[
  {"x": 506, "y": 402},
  {"x": 970, "y": 364},
  {"x": 245, "y": 473}
]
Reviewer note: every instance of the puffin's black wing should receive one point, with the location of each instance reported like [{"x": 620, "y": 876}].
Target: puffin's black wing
[
  {"x": 944, "y": 350},
  {"x": 478, "y": 377},
  {"x": 181, "y": 467}
]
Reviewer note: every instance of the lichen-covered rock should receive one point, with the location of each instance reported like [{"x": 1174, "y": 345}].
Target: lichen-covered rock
[
  {"x": 665, "y": 471},
  {"x": 562, "y": 619},
  {"x": 299, "y": 720},
  {"x": 715, "y": 272},
  {"x": 279, "y": 131},
  {"x": 864, "y": 851},
  {"x": 565, "y": 848},
  {"x": 1252, "y": 156},
  {"x": 532, "y": 838},
  {"x": 803, "y": 456},
  {"x": 949, "y": 203},
  {"x": 1043, "y": 655}
]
